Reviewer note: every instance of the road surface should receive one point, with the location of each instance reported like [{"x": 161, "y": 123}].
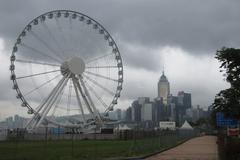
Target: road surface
[{"x": 200, "y": 148}]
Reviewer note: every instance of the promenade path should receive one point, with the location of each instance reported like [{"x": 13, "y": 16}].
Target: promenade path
[{"x": 200, "y": 148}]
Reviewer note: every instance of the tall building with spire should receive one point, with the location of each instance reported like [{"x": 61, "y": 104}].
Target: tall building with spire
[{"x": 163, "y": 88}]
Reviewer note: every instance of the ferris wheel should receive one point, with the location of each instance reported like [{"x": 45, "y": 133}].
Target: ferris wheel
[{"x": 66, "y": 69}]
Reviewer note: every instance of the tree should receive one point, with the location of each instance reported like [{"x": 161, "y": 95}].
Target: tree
[{"x": 228, "y": 100}]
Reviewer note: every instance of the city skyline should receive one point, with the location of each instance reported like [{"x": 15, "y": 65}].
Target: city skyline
[{"x": 147, "y": 41}]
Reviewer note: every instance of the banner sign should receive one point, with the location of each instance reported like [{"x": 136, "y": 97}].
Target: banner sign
[
  {"x": 225, "y": 122},
  {"x": 232, "y": 131}
]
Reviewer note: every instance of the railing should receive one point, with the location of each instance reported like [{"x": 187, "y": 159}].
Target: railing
[{"x": 120, "y": 145}]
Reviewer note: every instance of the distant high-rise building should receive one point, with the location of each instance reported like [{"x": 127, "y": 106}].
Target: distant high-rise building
[
  {"x": 115, "y": 115},
  {"x": 146, "y": 112},
  {"x": 195, "y": 113},
  {"x": 163, "y": 88},
  {"x": 159, "y": 111},
  {"x": 172, "y": 116},
  {"x": 18, "y": 121},
  {"x": 143, "y": 100},
  {"x": 119, "y": 114},
  {"x": 137, "y": 108},
  {"x": 136, "y": 111},
  {"x": 185, "y": 100},
  {"x": 128, "y": 117},
  {"x": 172, "y": 99},
  {"x": 9, "y": 121}
]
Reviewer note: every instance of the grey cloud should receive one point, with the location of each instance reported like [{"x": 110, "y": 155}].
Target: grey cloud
[
  {"x": 139, "y": 27},
  {"x": 192, "y": 25},
  {"x": 196, "y": 26},
  {"x": 140, "y": 57}
]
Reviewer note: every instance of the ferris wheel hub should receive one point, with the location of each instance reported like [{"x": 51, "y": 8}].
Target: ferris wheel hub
[{"x": 75, "y": 66}]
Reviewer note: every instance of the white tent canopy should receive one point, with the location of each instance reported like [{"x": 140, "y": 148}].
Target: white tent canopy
[
  {"x": 186, "y": 126},
  {"x": 123, "y": 127}
]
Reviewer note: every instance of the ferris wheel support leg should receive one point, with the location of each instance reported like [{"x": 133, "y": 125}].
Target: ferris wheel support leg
[
  {"x": 34, "y": 120},
  {"x": 79, "y": 101},
  {"x": 52, "y": 100},
  {"x": 95, "y": 111},
  {"x": 46, "y": 103},
  {"x": 84, "y": 96},
  {"x": 28, "y": 125}
]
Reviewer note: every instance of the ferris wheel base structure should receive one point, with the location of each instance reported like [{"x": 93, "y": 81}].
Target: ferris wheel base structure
[{"x": 67, "y": 71}]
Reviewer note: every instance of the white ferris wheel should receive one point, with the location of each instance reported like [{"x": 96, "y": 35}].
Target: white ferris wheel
[{"x": 67, "y": 70}]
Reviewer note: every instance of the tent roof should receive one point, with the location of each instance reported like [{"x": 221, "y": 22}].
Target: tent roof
[
  {"x": 186, "y": 125},
  {"x": 123, "y": 127}
]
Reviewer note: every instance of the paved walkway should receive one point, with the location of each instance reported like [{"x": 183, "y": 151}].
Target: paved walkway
[{"x": 200, "y": 148}]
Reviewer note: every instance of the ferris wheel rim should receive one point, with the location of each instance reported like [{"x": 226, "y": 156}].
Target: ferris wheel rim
[{"x": 105, "y": 33}]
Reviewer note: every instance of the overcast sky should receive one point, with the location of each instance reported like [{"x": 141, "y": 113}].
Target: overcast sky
[{"x": 181, "y": 35}]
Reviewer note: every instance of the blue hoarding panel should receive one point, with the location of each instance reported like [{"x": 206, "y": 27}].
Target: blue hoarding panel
[{"x": 222, "y": 121}]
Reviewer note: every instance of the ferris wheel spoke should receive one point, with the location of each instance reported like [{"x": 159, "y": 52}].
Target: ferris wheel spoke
[
  {"x": 99, "y": 85},
  {"x": 43, "y": 84},
  {"x": 59, "y": 27},
  {"x": 45, "y": 44},
  {"x": 89, "y": 67},
  {"x": 40, "y": 52},
  {"x": 95, "y": 94},
  {"x": 64, "y": 109},
  {"x": 36, "y": 62},
  {"x": 51, "y": 35},
  {"x": 79, "y": 101},
  {"x": 98, "y": 58},
  {"x": 37, "y": 74},
  {"x": 69, "y": 97},
  {"x": 70, "y": 33},
  {"x": 101, "y": 76},
  {"x": 52, "y": 100}
]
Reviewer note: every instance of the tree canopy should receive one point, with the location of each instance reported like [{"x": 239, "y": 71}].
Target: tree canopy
[{"x": 228, "y": 100}]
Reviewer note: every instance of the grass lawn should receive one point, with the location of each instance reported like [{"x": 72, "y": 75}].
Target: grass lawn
[{"x": 83, "y": 149}]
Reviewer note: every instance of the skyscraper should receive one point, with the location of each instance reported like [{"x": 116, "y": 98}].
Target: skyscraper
[
  {"x": 184, "y": 99},
  {"x": 163, "y": 88},
  {"x": 146, "y": 112},
  {"x": 136, "y": 111}
]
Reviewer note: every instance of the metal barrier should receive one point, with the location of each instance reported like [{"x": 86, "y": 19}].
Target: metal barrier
[{"x": 131, "y": 143}]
